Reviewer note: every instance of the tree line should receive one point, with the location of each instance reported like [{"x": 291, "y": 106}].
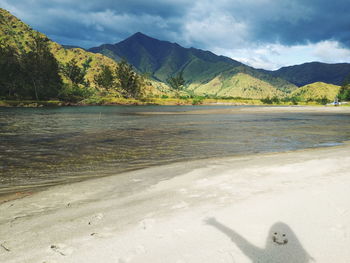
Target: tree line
[
  {"x": 122, "y": 79},
  {"x": 37, "y": 75},
  {"x": 344, "y": 93},
  {"x": 33, "y": 74}
]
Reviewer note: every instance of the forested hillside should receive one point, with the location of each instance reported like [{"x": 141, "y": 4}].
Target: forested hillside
[{"x": 34, "y": 67}]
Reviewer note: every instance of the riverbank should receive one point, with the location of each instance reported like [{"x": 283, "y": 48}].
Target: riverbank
[
  {"x": 151, "y": 101},
  {"x": 129, "y": 102},
  {"x": 216, "y": 210}
]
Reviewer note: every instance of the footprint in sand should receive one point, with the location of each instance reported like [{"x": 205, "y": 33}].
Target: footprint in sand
[
  {"x": 180, "y": 205},
  {"x": 146, "y": 223},
  {"x": 101, "y": 235},
  {"x": 95, "y": 219},
  {"x": 61, "y": 249}
]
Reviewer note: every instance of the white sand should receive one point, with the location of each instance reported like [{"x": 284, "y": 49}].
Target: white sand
[
  {"x": 205, "y": 211},
  {"x": 257, "y": 110}
]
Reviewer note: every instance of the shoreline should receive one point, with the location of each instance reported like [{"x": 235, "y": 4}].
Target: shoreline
[
  {"x": 162, "y": 212},
  {"x": 158, "y": 102},
  {"x": 24, "y": 191}
]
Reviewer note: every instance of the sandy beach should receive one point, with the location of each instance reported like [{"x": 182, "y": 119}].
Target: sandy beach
[
  {"x": 258, "y": 109},
  {"x": 280, "y": 207}
]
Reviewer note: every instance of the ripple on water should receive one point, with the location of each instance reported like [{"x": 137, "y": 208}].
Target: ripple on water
[{"x": 49, "y": 146}]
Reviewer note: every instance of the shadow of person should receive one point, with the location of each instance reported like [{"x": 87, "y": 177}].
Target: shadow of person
[{"x": 282, "y": 245}]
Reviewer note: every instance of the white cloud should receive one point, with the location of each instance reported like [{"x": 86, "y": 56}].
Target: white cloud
[
  {"x": 215, "y": 30},
  {"x": 207, "y": 26},
  {"x": 274, "y": 56},
  {"x": 331, "y": 52}
]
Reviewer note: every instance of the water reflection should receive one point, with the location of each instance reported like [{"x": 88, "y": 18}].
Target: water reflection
[{"x": 48, "y": 146}]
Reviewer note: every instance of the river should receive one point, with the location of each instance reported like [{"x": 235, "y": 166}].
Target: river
[{"x": 47, "y": 146}]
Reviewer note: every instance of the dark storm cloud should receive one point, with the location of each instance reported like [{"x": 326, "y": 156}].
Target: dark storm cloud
[
  {"x": 89, "y": 23},
  {"x": 222, "y": 23},
  {"x": 299, "y": 21}
]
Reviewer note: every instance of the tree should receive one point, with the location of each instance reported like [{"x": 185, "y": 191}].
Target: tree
[
  {"x": 323, "y": 100},
  {"x": 106, "y": 79},
  {"x": 176, "y": 82},
  {"x": 86, "y": 65},
  {"x": 11, "y": 75},
  {"x": 41, "y": 70},
  {"x": 295, "y": 100},
  {"x": 74, "y": 73},
  {"x": 129, "y": 81},
  {"x": 78, "y": 89},
  {"x": 266, "y": 100},
  {"x": 344, "y": 92}
]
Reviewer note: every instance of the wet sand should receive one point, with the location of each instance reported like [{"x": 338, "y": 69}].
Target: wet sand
[
  {"x": 281, "y": 207},
  {"x": 13, "y": 196}
]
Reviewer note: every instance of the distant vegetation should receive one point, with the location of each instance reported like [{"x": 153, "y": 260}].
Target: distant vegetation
[
  {"x": 344, "y": 92},
  {"x": 315, "y": 93},
  {"x": 307, "y": 73},
  {"x": 318, "y": 91}
]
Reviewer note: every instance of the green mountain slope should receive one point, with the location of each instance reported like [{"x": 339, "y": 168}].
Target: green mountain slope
[
  {"x": 307, "y": 73},
  {"x": 317, "y": 91},
  {"x": 238, "y": 85},
  {"x": 15, "y": 33},
  {"x": 20, "y": 38},
  {"x": 162, "y": 59}
]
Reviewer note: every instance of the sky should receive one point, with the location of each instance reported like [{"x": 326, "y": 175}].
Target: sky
[{"x": 265, "y": 34}]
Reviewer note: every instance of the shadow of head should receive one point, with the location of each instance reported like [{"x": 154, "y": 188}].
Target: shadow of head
[
  {"x": 279, "y": 234},
  {"x": 283, "y": 244}
]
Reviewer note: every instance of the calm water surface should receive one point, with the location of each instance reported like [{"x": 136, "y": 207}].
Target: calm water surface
[{"x": 49, "y": 146}]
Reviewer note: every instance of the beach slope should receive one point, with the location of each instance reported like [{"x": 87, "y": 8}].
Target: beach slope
[{"x": 278, "y": 207}]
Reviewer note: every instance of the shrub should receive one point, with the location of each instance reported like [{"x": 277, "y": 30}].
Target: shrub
[{"x": 197, "y": 100}]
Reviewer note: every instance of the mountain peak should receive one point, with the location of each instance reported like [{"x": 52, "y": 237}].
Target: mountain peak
[
  {"x": 163, "y": 58},
  {"x": 139, "y": 36}
]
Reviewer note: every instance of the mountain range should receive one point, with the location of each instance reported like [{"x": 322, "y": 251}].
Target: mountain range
[
  {"x": 208, "y": 74},
  {"x": 311, "y": 72},
  {"x": 204, "y": 72}
]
